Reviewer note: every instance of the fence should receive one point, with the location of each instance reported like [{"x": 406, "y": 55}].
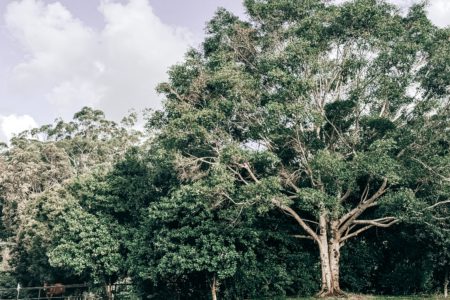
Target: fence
[{"x": 71, "y": 292}]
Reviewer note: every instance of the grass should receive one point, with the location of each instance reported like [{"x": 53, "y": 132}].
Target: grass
[{"x": 369, "y": 297}]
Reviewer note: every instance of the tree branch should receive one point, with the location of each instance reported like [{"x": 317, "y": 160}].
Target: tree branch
[
  {"x": 365, "y": 193},
  {"x": 378, "y": 193},
  {"x": 7, "y": 244},
  {"x": 431, "y": 169},
  {"x": 382, "y": 222},
  {"x": 238, "y": 175},
  {"x": 349, "y": 217},
  {"x": 289, "y": 182},
  {"x": 437, "y": 204},
  {"x": 299, "y": 220},
  {"x": 249, "y": 170},
  {"x": 355, "y": 233},
  {"x": 346, "y": 195}
]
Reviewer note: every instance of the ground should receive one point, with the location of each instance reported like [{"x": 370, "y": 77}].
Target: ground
[{"x": 366, "y": 297}]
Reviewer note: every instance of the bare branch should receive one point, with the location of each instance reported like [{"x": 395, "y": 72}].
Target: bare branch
[
  {"x": 311, "y": 221},
  {"x": 349, "y": 217},
  {"x": 382, "y": 222},
  {"x": 378, "y": 193},
  {"x": 231, "y": 199},
  {"x": 346, "y": 195},
  {"x": 302, "y": 223},
  {"x": 431, "y": 169},
  {"x": 203, "y": 159},
  {"x": 357, "y": 232},
  {"x": 249, "y": 170},
  {"x": 289, "y": 182},
  {"x": 298, "y": 146},
  {"x": 438, "y": 203},
  {"x": 441, "y": 218},
  {"x": 238, "y": 175},
  {"x": 7, "y": 244},
  {"x": 365, "y": 193}
]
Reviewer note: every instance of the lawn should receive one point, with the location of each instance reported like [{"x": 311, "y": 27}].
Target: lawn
[{"x": 368, "y": 297}]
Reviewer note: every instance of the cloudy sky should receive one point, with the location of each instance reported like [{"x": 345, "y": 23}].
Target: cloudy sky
[{"x": 59, "y": 55}]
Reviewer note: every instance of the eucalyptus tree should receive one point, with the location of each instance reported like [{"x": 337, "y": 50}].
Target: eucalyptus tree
[
  {"x": 337, "y": 115},
  {"x": 44, "y": 160},
  {"x": 47, "y": 156}
]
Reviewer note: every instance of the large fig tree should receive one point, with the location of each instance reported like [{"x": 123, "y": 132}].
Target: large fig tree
[{"x": 337, "y": 115}]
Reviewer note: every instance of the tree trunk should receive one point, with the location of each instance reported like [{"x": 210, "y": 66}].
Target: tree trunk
[
  {"x": 335, "y": 255},
  {"x": 324, "y": 257},
  {"x": 446, "y": 284},
  {"x": 109, "y": 291},
  {"x": 329, "y": 258},
  {"x": 214, "y": 288}
]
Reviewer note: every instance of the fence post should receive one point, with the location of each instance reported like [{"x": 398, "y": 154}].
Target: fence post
[{"x": 18, "y": 291}]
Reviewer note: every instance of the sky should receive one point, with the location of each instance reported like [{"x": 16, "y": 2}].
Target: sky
[{"x": 57, "y": 56}]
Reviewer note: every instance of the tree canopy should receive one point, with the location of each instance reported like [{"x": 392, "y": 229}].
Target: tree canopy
[
  {"x": 307, "y": 127},
  {"x": 333, "y": 114}
]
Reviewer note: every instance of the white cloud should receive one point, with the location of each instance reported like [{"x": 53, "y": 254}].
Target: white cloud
[
  {"x": 114, "y": 68},
  {"x": 137, "y": 44},
  {"x": 439, "y": 12},
  {"x": 68, "y": 64},
  {"x": 69, "y": 94},
  {"x": 13, "y": 124},
  {"x": 56, "y": 44}
]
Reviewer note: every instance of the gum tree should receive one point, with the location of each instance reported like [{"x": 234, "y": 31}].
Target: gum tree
[
  {"x": 336, "y": 115},
  {"x": 43, "y": 161}
]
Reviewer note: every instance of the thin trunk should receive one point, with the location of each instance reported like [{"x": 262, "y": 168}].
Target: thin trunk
[
  {"x": 214, "y": 288},
  {"x": 446, "y": 284},
  {"x": 109, "y": 291}
]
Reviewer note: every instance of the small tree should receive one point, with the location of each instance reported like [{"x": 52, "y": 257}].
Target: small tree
[{"x": 336, "y": 115}]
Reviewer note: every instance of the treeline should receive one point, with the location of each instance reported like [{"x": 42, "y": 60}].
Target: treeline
[
  {"x": 88, "y": 201},
  {"x": 305, "y": 151}
]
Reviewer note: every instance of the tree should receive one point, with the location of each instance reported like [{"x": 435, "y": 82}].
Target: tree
[
  {"x": 337, "y": 115},
  {"x": 189, "y": 237},
  {"x": 71, "y": 240},
  {"x": 39, "y": 164},
  {"x": 47, "y": 156},
  {"x": 177, "y": 240}
]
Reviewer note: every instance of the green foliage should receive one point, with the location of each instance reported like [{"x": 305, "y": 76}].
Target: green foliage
[
  {"x": 328, "y": 113},
  {"x": 7, "y": 281},
  {"x": 83, "y": 244},
  {"x": 57, "y": 237},
  {"x": 308, "y": 106},
  {"x": 276, "y": 268}
]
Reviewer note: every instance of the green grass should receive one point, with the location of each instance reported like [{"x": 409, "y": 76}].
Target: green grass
[{"x": 368, "y": 297}]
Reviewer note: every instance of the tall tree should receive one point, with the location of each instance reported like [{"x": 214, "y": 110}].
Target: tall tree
[
  {"x": 337, "y": 115},
  {"x": 38, "y": 165},
  {"x": 44, "y": 157}
]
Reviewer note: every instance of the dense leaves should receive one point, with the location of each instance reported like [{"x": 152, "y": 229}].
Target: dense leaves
[{"x": 287, "y": 145}]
